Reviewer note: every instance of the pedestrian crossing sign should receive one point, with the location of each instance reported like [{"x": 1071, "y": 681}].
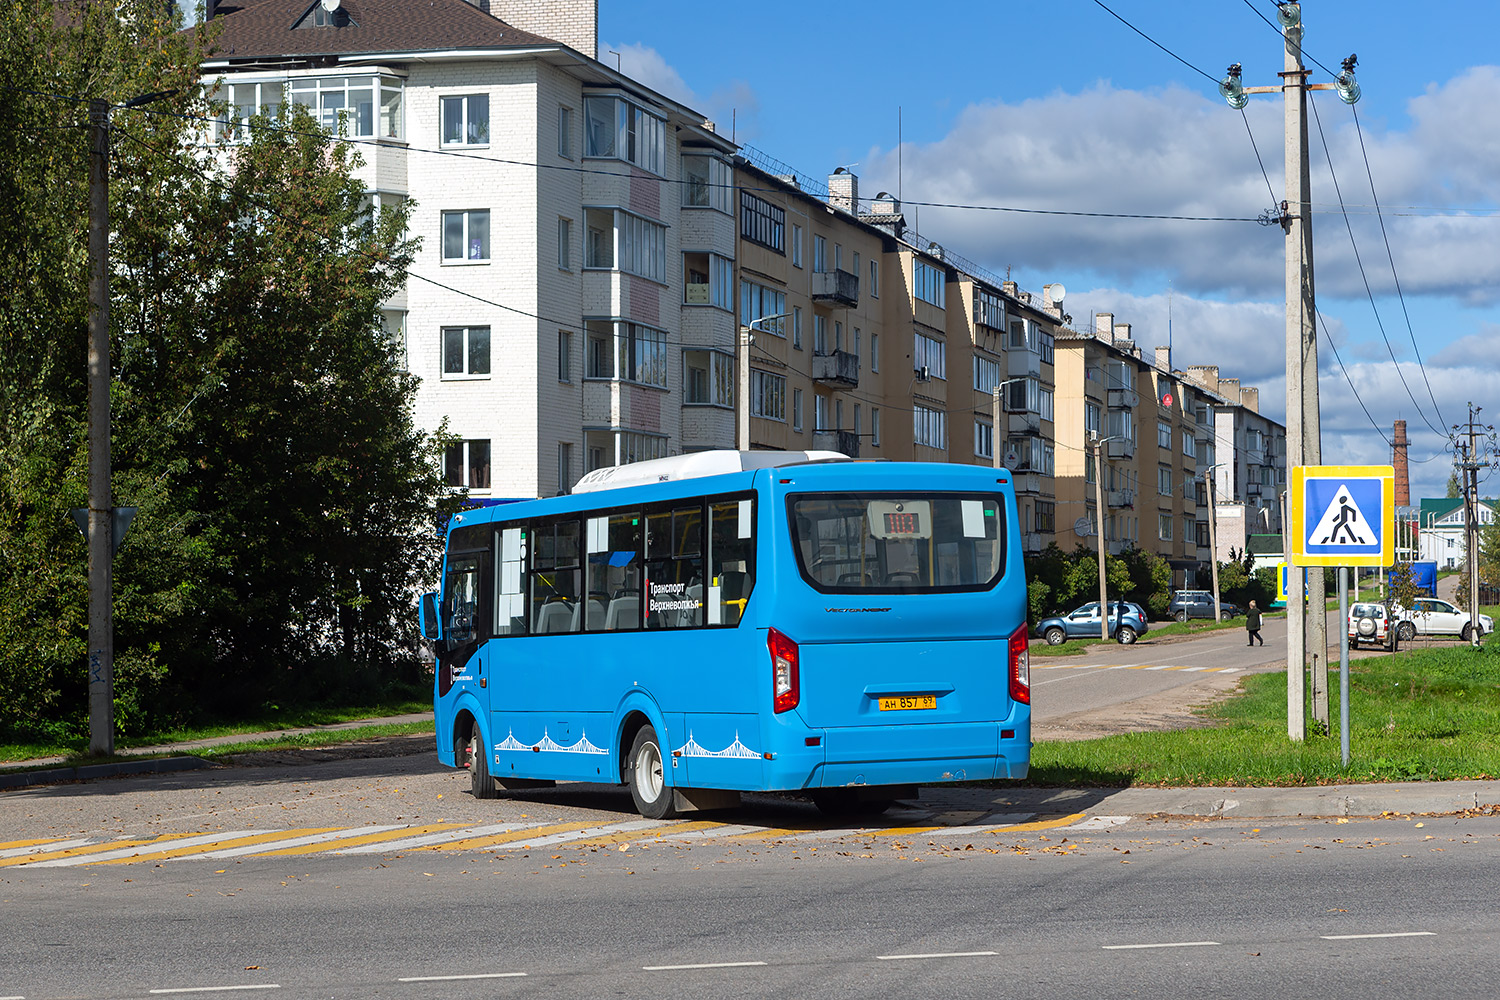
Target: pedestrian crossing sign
[{"x": 1342, "y": 515}]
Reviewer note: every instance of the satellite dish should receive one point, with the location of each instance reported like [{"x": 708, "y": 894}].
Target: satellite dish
[
  {"x": 1082, "y": 528},
  {"x": 330, "y": 5},
  {"x": 1055, "y": 293},
  {"x": 1011, "y": 459}
]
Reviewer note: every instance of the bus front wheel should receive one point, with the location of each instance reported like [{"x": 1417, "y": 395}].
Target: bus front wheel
[
  {"x": 646, "y": 776},
  {"x": 480, "y": 782}
]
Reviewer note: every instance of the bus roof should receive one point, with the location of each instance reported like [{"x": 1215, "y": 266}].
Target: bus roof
[{"x": 696, "y": 466}]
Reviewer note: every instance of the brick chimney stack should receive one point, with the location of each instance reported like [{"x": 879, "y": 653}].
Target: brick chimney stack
[{"x": 1398, "y": 459}]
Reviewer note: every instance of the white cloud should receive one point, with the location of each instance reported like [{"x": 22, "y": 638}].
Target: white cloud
[{"x": 733, "y": 108}]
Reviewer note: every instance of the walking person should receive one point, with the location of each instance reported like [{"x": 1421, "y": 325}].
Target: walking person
[{"x": 1252, "y": 624}]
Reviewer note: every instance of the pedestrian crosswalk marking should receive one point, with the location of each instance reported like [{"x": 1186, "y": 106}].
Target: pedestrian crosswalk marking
[
  {"x": 248, "y": 839},
  {"x": 334, "y": 846},
  {"x": 176, "y": 845},
  {"x": 82, "y": 852}
]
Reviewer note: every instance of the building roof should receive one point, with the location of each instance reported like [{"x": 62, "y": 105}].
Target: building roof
[{"x": 258, "y": 29}]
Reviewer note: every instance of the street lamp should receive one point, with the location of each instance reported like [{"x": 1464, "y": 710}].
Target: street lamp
[
  {"x": 1099, "y": 513},
  {"x": 1213, "y": 544},
  {"x": 742, "y": 397}
]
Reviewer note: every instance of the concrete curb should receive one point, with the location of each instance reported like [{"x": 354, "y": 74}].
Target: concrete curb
[{"x": 86, "y": 772}]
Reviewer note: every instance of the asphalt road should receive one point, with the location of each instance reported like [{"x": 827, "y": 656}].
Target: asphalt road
[{"x": 1358, "y": 909}]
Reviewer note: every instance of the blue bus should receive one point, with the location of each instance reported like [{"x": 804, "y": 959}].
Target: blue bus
[{"x": 720, "y": 622}]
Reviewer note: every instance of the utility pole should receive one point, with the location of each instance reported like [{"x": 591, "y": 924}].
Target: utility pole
[
  {"x": 1213, "y": 545},
  {"x": 1304, "y": 436},
  {"x": 742, "y": 371},
  {"x": 101, "y": 499},
  {"x": 1469, "y": 483},
  {"x": 1099, "y": 512}
]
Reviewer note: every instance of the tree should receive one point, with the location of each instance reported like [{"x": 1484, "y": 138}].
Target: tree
[
  {"x": 1454, "y": 491},
  {"x": 262, "y": 419}
]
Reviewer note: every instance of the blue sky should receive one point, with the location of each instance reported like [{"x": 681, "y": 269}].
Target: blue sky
[{"x": 1060, "y": 106}]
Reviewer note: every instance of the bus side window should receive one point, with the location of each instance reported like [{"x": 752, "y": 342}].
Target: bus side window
[
  {"x": 731, "y": 560},
  {"x": 555, "y": 573},
  {"x": 461, "y": 601},
  {"x": 614, "y": 568},
  {"x": 674, "y": 567},
  {"x": 510, "y": 597}
]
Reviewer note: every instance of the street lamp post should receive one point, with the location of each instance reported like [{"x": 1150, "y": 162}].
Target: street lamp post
[
  {"x": 1213, "y": 545},
  {"x": 1099, "y": 444},
  {"x": 996, "y": 414},
  {"x": 742, "y": 397}
]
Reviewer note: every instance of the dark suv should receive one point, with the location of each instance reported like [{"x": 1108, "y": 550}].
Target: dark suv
[{"x": 1198, "y": 604}]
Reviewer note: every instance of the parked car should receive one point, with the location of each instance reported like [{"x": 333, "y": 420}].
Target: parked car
[
  {"x": 1372, "y": 623},
  {"x": 1433, "y": 616},
  {"x": 1199, "y": 604},
  {"x": 1127, "y": 623}
]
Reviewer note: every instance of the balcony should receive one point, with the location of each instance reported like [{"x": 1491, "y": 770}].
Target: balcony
[
  {"x": 843, "y": 442},
  {"x": 1121, "y": 448},
  {"x": 835, "y": 287},
  {"x": 1122, "y": 399},
  {"x": 839, "y": 369},
  {"x": 1252, "y": 489},
  {"x": 1024, "y": 425},
  {"x": 1119, "y": 498},
  {"x": 1021, "y": 362},
  {"x": 1033, "y": 542}
]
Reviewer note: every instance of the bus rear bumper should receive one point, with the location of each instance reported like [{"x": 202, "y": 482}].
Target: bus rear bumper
[{"x": 897, "y": 755}]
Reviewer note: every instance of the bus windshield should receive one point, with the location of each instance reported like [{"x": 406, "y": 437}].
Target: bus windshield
[{"x": 915, "y": 542}]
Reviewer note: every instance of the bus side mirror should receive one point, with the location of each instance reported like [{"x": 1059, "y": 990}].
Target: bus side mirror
[{"x": 432, "y": 627}]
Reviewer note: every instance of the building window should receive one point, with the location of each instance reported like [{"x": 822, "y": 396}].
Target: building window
[
  {"x": 710, "y": 378},
  {"x": 874, "y": 352},
  {"x": 708, "y": 183},
  {"x": 762, "y": 222},
  {"x": 629, "y": 352},
  {"x": 874, "y": 279},
  {"x": 931, "y": 283},
  {"x": 875, "y": 426},
  {"x": 986, "y": 374},
  {"x": 984, "y": 439},
  {"x": 930, "y": 427},
  {"x": 1164, "y": 481},
  {"x": 797, "y": 327},
  {"x": 564, "y": 356},
  {"x": 466, "y": 120},
  {"x": 759, "y": 302},
  {"x": 1091, "y": 414},
  {"x": 347, "y": 105},
  {"x": 1164, "y": 527},
  {"x": 466, "y": 236},
  {"x": 838, "y": 335},
  {"x": 707, "y": 280},
  {"x": 565, "y": 244},
  {"x": 796, "y": 409},
  {"x": 1163, "y": 434},
  {"x": 854, "y": 345},
  {"x": 820, "y": 254},
  {"x": 767, "y": 395},
  {"x": 565, "y": 132},
  {"x": 467, "y": 464},
  {"x": 858, "y": 426},
  {"x": 820, "y": 334},
  {"x": 466, "y": 352},
  {"x": 617, "y": 129},
  {"x": 564, "y": 467},
  {"x": 820, "y": 413},
  {"x": 393, "y": 324},
  {"x": 989, "y": 309},
  {"x": 246, "y": 100},
  {"x": 1189, "y": 444},
  {"x": 618, "y": 240},
  {"x": 930, "y": 353},
  {"x": 796, "y": 245}
]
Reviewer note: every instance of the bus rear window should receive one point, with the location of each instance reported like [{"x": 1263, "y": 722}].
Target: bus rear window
[{"x": 911, "y": 543}]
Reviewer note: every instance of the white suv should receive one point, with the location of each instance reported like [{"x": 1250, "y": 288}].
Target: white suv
[
  {"x": 1370, "y": 623},
  {"x": 1431, "y": 616}
]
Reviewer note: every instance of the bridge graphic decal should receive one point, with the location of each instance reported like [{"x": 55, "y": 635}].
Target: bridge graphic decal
[
  {"x": 548, "y": 745},
  {"x": 692, "y": 748}
]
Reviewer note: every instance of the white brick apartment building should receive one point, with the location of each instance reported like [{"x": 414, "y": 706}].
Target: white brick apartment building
[{"x": 577, "y": 228}]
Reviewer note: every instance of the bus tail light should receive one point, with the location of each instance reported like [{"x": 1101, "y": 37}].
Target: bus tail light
[
  {"x": 785, "y": 683},
  {"x": 1020, "y": 667}
]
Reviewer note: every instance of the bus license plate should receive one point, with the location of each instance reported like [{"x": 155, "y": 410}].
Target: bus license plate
[{"x": 904, "y": 703}]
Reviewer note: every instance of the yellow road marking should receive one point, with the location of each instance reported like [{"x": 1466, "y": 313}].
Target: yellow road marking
[
  {"x": 522, "y": 836},
  {"x": 7, "y": 845},
  {"x": 1041, "y": 824},
  {"x": 218, "y": 845},
  {"x": 355, "y": 840},
  {"x": 652, "y": 833},
  {"x": 73, "y": 852},
  {"x": 900, "y": 831}
]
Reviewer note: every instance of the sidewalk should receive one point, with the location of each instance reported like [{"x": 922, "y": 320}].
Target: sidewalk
[{"x": 1317, "y": 802}]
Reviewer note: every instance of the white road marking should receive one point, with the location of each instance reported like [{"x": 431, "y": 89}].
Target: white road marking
[
  {"x": 218, "y": 989},
  {"x": 937, "y": 954},
  {"x": 718, "y": 831},
  {"x": 312, "y": 838},
  {"x": 56, "y": 845},
  {"x": 387, "y": 846},
  {"x": 593, "y": 831},
  {"x": 702, "y": 965},
  {"x": 1166, "y": 944},
  {"x": 1353, "y": 937},
  {"x": 143, "y": 850},
  {"x": 1098, "y": 823},
  {"x": 444, "y": 979}
]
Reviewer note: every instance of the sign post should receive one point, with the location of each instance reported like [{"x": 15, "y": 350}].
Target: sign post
[{"x": 1342, "y": 516}]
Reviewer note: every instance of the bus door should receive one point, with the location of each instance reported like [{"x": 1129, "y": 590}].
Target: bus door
[{"x": 464, "y": 610}]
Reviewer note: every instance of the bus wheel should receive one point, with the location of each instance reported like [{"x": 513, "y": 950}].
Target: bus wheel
[
  {"x": 480, "y": 783},
  {"x": 842, "y": 802},
  {"x": 647, "y": 778}
]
